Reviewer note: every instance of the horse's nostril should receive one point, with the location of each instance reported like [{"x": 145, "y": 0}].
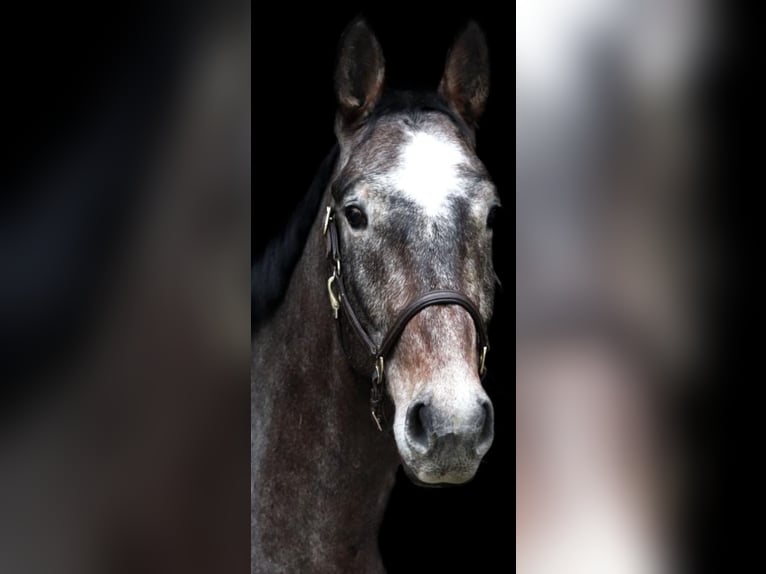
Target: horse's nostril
[{"x": 418, "y": 425}]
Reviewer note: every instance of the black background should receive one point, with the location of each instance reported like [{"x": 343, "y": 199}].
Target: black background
[{"x": 294, "y": 110}]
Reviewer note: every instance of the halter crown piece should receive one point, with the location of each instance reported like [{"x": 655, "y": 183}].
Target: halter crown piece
[{"x": 378, "y": 353}]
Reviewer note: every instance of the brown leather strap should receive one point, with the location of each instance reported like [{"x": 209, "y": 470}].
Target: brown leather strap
[
  {"x": 436, "y": 297},
  {"x": 348, "y": 310}
]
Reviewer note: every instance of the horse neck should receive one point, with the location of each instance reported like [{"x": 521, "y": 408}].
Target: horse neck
[{"x": 321, "y": 469}]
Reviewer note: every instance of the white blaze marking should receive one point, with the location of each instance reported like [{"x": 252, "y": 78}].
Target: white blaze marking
[{"x": 428, "y": 172}]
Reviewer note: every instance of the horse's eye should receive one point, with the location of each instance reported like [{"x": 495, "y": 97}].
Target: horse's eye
[
  {"x": 355, "y": 217},
  {"x": 492, "y": 216}
]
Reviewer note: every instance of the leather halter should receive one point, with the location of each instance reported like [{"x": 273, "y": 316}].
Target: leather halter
[{"x": 378, "y": 353}]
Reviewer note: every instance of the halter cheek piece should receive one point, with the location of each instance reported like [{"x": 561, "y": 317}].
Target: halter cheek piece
[{"x": 338, "y": 300}]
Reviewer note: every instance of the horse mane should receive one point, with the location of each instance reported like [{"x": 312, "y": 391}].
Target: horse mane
[
  {"x": 272, "y": 271},
  {"x": 414, "y": 104}
]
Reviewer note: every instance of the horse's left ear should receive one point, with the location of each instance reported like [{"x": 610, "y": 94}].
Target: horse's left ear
[{"x": 465, "y": 84}]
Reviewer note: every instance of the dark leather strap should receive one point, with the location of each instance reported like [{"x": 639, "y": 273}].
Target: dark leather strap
[
  {"x": 348, "y": 310},
  {"x": 436, "y": 297},
  {"x": 378, "y": 354}
]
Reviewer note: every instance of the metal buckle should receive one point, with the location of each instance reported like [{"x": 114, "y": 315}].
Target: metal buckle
[
  {"x": 482, "y": 366},
  {"x": 377, "y": 378},
  {"x": 376, "y": 392},
  {"x": 334, "y": 300},
  {"x": 376, "y": 418},
  {"x": 327, "y": 218}
]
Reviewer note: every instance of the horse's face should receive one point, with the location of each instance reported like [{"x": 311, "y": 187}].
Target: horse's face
[{"x": 416, "y": 208}]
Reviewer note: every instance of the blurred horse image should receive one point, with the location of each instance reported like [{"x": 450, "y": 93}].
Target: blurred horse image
[{"x": 609, "y": 280}]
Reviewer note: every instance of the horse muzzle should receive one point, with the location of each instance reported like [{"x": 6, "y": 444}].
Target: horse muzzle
[{"x": 445, "y": 446}]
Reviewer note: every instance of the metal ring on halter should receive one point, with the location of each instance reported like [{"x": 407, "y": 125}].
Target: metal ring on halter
[
  {"x": 377, "y": 377},
  {"x": 482, "y": 361},
  {"x": 334, "y": 299},
  {"x": 327, "y": 218},
  {"x": 376, "y": 392}
]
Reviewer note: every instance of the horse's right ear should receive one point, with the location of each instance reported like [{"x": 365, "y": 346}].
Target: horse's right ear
[{"x": 359, "y": 73}]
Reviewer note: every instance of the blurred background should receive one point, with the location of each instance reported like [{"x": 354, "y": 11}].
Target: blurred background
[
  {"x": 628, "y": 294},
  {"x": 124, "y": 300}
]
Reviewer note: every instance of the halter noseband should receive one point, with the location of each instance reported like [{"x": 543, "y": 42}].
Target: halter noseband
[{"x": 338, "y": 299}]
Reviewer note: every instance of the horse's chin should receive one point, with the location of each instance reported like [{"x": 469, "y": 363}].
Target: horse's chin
[{"x": 443, "y": 479}]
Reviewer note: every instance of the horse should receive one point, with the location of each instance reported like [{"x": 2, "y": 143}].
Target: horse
[{"x": 370, "y": 316}]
